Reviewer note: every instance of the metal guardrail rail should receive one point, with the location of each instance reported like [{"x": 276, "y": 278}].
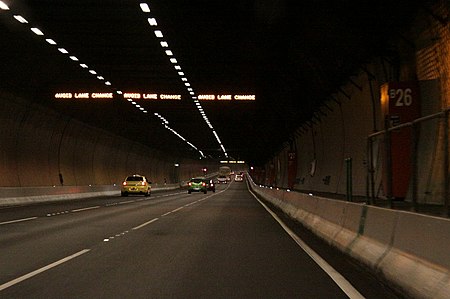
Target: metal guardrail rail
[{"x": 371, "y": 197}]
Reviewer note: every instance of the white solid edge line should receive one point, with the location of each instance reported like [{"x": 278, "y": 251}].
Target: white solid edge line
[
  {"x": 43, "y": 269},
  {"x": 340, "y": 280},
  {"x": 146, "y": 223},
  {"x": 18, "y": 220}
]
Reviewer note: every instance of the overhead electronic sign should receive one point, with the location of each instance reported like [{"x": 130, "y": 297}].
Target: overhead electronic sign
[
  {"x": 110, "y": 95},
  {"x": 226, "y": 97},
  {"x": 84, "y": 95},
  {"x": 152, "y": 96}
]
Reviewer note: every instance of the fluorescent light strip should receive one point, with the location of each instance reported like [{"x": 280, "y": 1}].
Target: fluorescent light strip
[
  {"x": 37, "y": 31},
  {"x": 164, "y": 44},
  {"x": 50, "y": 41},
  {"x": 166, "y": 122},
  {"x": 20, "y": 19},
  {"x": 145, "y": 7},
  {"x": 3, "y": 5}
]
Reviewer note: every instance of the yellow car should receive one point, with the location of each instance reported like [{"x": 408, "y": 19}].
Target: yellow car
[{"x": 136, "y": 184}]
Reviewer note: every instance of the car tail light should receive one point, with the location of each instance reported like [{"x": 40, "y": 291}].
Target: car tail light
[
  {"x": 124, "y": 183},
  {"x": 143, "y": 183},
  {"x": 190, "y": 184},
  {"x": 203, "y": 184}
]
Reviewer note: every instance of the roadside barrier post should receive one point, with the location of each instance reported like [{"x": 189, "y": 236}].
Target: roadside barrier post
[{"x": 348, "y": 164}]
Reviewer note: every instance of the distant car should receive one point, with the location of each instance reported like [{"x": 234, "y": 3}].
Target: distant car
[
  {"x": 211, "y": 186},
  {"x": 136, "y": 184},
  {"x": 222, "y": 179},
  {"x": 197, "y": 185},
  {"x": 239, "y": 178}
]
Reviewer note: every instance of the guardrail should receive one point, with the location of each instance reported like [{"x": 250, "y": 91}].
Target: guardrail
[{"x": 386, "y": 133}]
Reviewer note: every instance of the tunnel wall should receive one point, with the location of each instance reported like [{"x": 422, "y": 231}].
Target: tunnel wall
[
  {"x": 341, "y": 127},
  {"x": 39, "y": 144}
]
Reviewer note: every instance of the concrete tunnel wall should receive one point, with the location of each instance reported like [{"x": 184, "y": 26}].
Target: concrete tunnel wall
[
  {"x": 323, "y": 146},
  {"x": 341, "y": 128},
  {"x": 37, "y": 144}
]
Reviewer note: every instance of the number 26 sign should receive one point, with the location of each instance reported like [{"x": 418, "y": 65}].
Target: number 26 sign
[{"x": 403, "y": 100}]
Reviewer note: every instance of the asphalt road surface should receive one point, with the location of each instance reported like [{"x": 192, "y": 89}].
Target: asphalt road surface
[{"x": 171, "y": 245}]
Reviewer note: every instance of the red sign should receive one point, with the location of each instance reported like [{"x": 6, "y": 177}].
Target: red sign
[{"x": 400, "y": 101}]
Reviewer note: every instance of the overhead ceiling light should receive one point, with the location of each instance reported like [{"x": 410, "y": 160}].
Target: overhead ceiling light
[
  {"x": 50, "y": 41},
  {"x": 177, "y": 67},
  {"x": 73, "y": 58},
  {"x": 20, "y": 19},
  {"x": 169, "y": 53},
  {"x": 101, "y": 78},
  {"x": 187, "y": 84},
  {"x": 83, "y": 65},
  {"x": 158, "y": 33},
  {"x": 192, "y": 93},
  {"x": 183, "y": 79},
  {"x": 119, "y": 92},
  {"x": 144, "y": 7},
  {"x": 107, "y": 83},
  {"x": 3, "y": 6},
  {"x": 181, "y": 73},
  {"x": 93, "y": 72},
  {"x": 173, "y": 60},
  {"x": 164, "y": 44},
  {"x": 152, "y": 22},
  {"x": 62, "y": 50},
  {"x": 37, "y": 31}
]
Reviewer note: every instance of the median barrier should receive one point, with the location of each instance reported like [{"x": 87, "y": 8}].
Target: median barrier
[
  {"x": 328, "y": 218},
  {"x": 374, "y": 236},
  {"x": 351, "y": 223},
  {"x": 409, "y": 250},
  {"x": 11, "y": 196}
]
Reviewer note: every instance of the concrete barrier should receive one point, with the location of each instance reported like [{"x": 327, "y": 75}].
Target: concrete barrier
[
  {"x": 33, "y": 195},
  {"x": 410, "y": 250}
]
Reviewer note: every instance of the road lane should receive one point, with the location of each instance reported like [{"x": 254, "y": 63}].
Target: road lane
[{"x": 221, "y": 245}]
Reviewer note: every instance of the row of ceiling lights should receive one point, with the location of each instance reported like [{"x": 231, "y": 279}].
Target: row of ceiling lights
[
  {"x": 165, "y": 45},
  {"x": 37, "y": 31},
  {"x": 52, "y": 42}
]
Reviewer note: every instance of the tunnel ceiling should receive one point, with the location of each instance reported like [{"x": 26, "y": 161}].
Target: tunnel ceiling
[{"x": 290, "y": 54}]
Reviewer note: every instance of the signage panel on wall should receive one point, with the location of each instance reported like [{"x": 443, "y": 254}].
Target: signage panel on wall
[{"x": 400, "y": 103}]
